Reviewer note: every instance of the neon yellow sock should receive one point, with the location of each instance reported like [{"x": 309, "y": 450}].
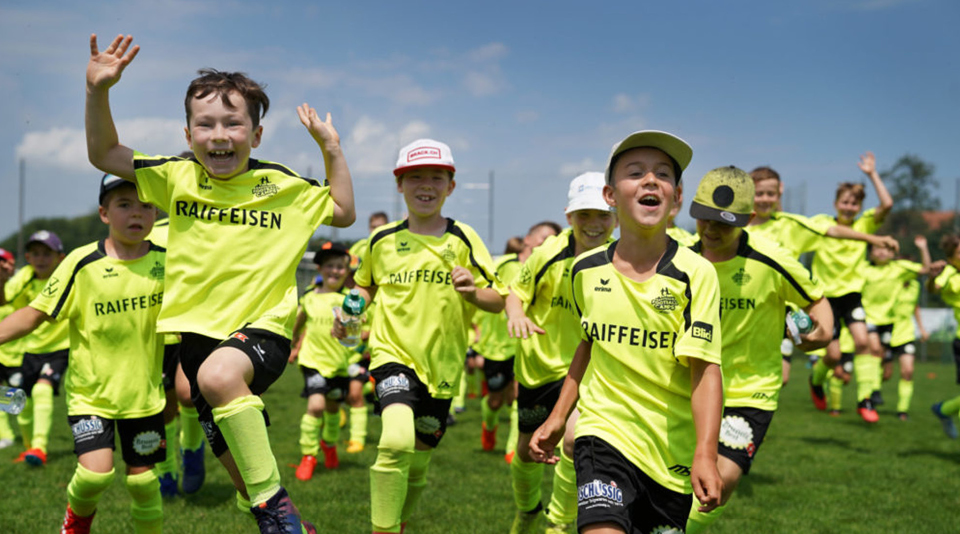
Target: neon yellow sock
[
  {"x": 490, "y": 417},
  {"x": 358, "y": 424},
  {"x": 475, "y": 382},
  {"x": 460, "y": 401},
  {"x": 146, "y": 506},
  {"x": 244, "y": 430},
  {"x": 169, "y": 463},
  {"x": 950, "y": 407},
  {"x": 42, "y": 415},
  {"x": 904, "y": 395},
  {"x": 389, "y": 475},
  {"x": 562, "y": 509},
  {"x": 331, "y": 427},
  {"x": 819, "y": 373},
  {"x": 514, "y": 428},
  {"x": 6, "y": 431},
  {"x": 698, "y": 521},
  {"x": 25, "y": 421},
  {"x": 527, "y": 478},
  {"x": 85, "y": 489},
  {"x": 416, "y": 482},
  {"x": 309, "y": 435},
  {"x": 865, "y": 375},
  {"x": 244, "y": 504},
  {"x": 191, "y": 433},
  {"x": 835, "y": 396}
]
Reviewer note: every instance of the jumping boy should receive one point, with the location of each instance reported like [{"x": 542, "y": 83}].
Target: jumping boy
[{"x": 227, "y": 210}]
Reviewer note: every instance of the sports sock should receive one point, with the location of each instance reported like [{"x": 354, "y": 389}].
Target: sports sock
[
  {"x": 244, "y": 430},
  {"x": 244, "y": 504},
  {"x": 85, "y": 489},
  {"x": 490, "y": 416},
  {"x": 25, "y": 420},
  {"x": 460, "y": 401},
  {"x": 950, "y": 407},
  {"x": 6, "y": 431},
  {"x": 416, "y": 482},
  {"x": 865, "y": 374},
  {"x": 358, "y": 424},
  {"x": 389, "y": 475},
  {"x": 514, "y": 428},
  {"x": 42, "y": 415},
  {"x": 698, "y": 521},
  {"x": 309, "y": 435},
  {"x": 191, "y": 433},
  {"x": 331, "y": 427},
  {"x": 562, "y": 509},
  {"x": 835, "y": 396},
  {"x": 819, "y": 373},
  {"x": 904, "y": 395},
  {"x": 169, "y": 463},
  {"x": 475, "y": 382},
  {"x": 146, "y": 506},
  {"x": 527, "y": 478}
]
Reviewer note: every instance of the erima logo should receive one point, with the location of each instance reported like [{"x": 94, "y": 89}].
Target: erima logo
[
  {"x": 260, "y": 352},
  {"x": 265, "y": 188},
  {"x": 206, "y": 184},
  {"x": 109, "y": 269},
  {"x": 682, "y": 470},
  {"x": 665, "y": 302},
  {"x": 445, "y": 385},
  {"x": 601, "y": 288},
  {"x": 109, "y": 273},
  {"x": 703, "y": 331},
  {"x": 403, "y": 246},
  {"x": 741, "y": 278}
]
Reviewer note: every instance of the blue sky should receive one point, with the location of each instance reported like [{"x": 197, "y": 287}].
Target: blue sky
[{"x": 535, "y": 92}]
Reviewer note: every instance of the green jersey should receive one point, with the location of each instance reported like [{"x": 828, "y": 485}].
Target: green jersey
[
  {"x": 885, "y": 283},
  {"x": 839, "y": 263},
  {"x": 22, "y": 288},
  {"x": 904, "y": 330},
  {"x": 320, "y": 350},
  {"x": 681, "y": 236},
  {"x": 949, "y": 283},
  {"x": 495, "y": 343},
  {"x": 795, "y": 233}
]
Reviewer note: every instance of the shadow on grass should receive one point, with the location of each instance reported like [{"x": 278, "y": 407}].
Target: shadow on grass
[
  {"x": 211, "y": 495},
  {"x": 830, "y": 441},
  {"x": 747, "y": 483},
  {"x": 951, "y": 457}
]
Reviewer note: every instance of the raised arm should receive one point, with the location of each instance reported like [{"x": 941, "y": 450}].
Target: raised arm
[
  {"x": 103, "y": 71},
  {"x": 868, "y": 164},
  {"x": 925, "y": 261},
  {"x": 334, "y": 163},
  {"x": 840, "y": 231},
  {"x": 20, "y": 323}
]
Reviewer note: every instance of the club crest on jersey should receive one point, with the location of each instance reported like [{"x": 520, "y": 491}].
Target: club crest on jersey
[
  {"x": 265, "y": 188},
  {"x": 52, "y": 287},
  {"x": 448, "y": 254},
  {"x": 741, "y": 278},
  {"x": 525, "y": 275},
  {"x": 666, "y": 302},
  {"x": 157, "y": 271}
]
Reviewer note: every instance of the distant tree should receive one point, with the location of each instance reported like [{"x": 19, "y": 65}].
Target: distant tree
[
  {"x": 913, "y": 186},
  {"x": 73, "y": 231}
]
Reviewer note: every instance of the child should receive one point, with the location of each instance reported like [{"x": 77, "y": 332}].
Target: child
[
  {"x": 945, "y": 279},
  {"x": 323, "y": 361},
  {"x": 11, "y": 357},
  {"x": 757, "y": 281},
  {"x": 426, "y": 272},
  {"x": 647, "y": 372},
  {"x": 238, "y": 229},
  {"x": 540, "y": 302},
  {"x": 45, "y": 350},
  {"x": 108, "y": 294},
  {"x": 376, "y": 220}
]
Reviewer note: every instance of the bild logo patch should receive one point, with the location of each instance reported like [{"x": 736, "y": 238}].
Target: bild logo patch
[{"x": 703, "y": 331}]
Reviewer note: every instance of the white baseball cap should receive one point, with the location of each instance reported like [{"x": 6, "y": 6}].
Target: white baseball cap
[
  {"x": 671, "y": 145},
  {"x": 424, "y": 153},
  {"x": 586, "y": 193}
]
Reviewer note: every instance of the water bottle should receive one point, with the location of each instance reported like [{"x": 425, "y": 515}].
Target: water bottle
[
  {"x": 351, "y": 315},
  {"x": 12, "y": 399},
  {"x": 798, "y": 322}
]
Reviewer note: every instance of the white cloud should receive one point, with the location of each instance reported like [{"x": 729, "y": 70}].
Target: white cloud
[
  {"x": 372, "y": 145},
  {"x": 483, "y": 83},
  {"x": 488, "y": 52},
  {"x": 624, "y": 103},
  {"x": 527, "y": 116}
]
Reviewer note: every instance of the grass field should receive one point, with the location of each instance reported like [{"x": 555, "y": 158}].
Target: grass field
[{"x": 814, "y": 474}]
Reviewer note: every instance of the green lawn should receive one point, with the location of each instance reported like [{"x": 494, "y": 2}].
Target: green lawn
[{"x": 814, "y": 474}]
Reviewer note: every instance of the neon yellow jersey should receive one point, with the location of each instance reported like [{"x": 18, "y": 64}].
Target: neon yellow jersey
[
  {"x": 158, "y": 236},
  {"x": 543, "y": 285},
  {"x": 839, "y": 263},
  {"x": 681, "y": 236},
  {"x": 495, "y": 343},
  {"x": 421, "y": 319},
  {"x": 635, "y": 394},
  {"x": 111, "y": 308},
  {"x": 795, "y": 233},
  {"x": 21, "y": 289},
  {"x": 883, "y": 288},
  {"x": 755, "y": 287},
  {"x": 234, "y": 244},
  {"x": 11, "y": 354},
  {"x": 949, "y": 283},
  {"x": 320, "y": 350},
  {"x": 904, "y": 331}
]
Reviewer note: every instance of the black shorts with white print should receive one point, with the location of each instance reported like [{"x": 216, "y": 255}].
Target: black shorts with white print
[
  {"x": 399, "y": 384},
  {"x": 142, "y": 441}
]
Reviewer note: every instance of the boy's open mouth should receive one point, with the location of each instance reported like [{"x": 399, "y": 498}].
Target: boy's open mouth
[
  {"x": 650, "y": 200},
  {"x": 220, "y": 154}
]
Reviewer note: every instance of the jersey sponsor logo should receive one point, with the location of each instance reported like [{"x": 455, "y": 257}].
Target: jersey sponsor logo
[
  {"x": 147, "y": 442},
  {"x": 87, "y": 428},
  {"x": 731, "y": 303},
  {"x": 682, "y": 470},
  {"x": 156, "y": 272},
  {"x": 597, "y": 492},
  {"x": 52, "y": 287},
  {"x": 666, "y": 302},
  {"x": 629, "y": 335},
  {"x": 737, "y": 434},
  {"x": 702, "y": 330},
  {"x": 124, "y": 305},
  {"x": 393, "y": 384},
  {"x": 335, "y": 393},
  {"x": 234, "y": 216},
  {"x": 741, "y": 277},
  {"x": 910, "y": 349},
  {"x": 603, "y": 286},
  {"x": 265, "y": 188},
  {"x": 858, "y": 314},
  {"x": 425, "y": 276},
  {"x": 316, "y": 381},
  {"x": 429, "y": 425},
  {"x": 560, "y": 302}
]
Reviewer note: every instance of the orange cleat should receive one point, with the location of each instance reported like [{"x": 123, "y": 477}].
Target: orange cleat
[
  {"x": 306, "y": 467},
  {"x": 330, "y": 459},
  {"x": 488, "y": 438},
  {"x": 35, "y": 457}
]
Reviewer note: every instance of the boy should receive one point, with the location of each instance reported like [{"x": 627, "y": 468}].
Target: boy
[
  {"x": 11, "y": 357},
  {"x": 757, "y": 281},
  {"x": 108, "y": 294},
  {"x": 376, "y": 220},
  {"x": 945, "y": 279},
  {"x": 238, "y": 228},
  {"x": 540, "y": 302},
  {"x": 426, "y": 272},
  {"x": 647, "y": 372},
  {"x": 45, "y": 350},
  {"x": 323, "y": 361}
]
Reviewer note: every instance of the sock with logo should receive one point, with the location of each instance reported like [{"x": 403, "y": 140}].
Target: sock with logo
[
  {"x": 835, "y": 395},
  {"x": 169, "y": 463},
  {"x": 562, "y": 509},
  {"x": 865, "y": 374},
  {"x": 309, "y": 435},
  {"x": 490, "y": 417},
  {"x": 904, "y": 395},
  {"x": 245, "y": 431},
  {"x": 389, "y": 475},
  {"x": 514, "y": 428},
  {"x": 42, "y": 415},
  {"x": 191, "y": 433},
  {"x": 358, "y": 424},
  {"x": 146, "y": 506},
  {"x": 819, "y": 373},
  {"x": 85, "y": 489},
  {"x": 25, "y": 421},
  {"x": 950, "y": 407},
  {"x": 698, "y": 521},
  {"x": 416, "y": 482},
  {"x": 331, "y": 427},
  {"x": 527, "y": 478}
]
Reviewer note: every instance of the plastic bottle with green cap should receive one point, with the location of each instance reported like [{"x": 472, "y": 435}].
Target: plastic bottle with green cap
[{"x": 351, "y": 315}]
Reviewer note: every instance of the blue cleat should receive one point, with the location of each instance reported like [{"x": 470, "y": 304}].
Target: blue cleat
[
  {"x": 193, "y": 469},
  {"x": 168, "y": 485},
  {"x": 949, "y": 428},
  {"x": 279, "y": 516}
]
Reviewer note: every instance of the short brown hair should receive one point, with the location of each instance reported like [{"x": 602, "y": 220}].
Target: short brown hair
[
  {"x": 222, "y": 83},
  {"x": 949, "y": 244},
  {"x": 514, "y": 245},
  {"x": 855, "y": 189},
  {"x": 764, "y": 173}
]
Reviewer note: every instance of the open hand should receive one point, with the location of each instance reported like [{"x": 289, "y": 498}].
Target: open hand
[{"x": 105, "y": 68}]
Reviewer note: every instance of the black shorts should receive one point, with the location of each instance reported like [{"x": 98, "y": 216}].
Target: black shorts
[
  {"x": 610, "y": 489},
  {"x": 11, "y": 376},
  {"x": 362, "y": 372},
  {"x": 884, "y": 331},
  {"x": 171, "y": 357},
  {"x": 499, "y": 375},
  {"x": 956, "y": 357},
  {"x": 907, "y": 349},
  {"x": 50, "y": 366},
  {"x": 268, "y": 352},
  {"x": 334, "y": 388},
  {"x": 846, "y": 361},
  {"x": 472, "y": 354},
  {"x": 142, "y": 441},
  {"x": 535, "y": 405},
  {"x": 741, "y": 433},
  {"x": 848, "y": 308},
  {"x": 399, "y": 384}
]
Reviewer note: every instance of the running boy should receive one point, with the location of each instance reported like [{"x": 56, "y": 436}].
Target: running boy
[
  {"x": 426, "y": 272},
  {"x": 238, "y": 228},
  {"x": 108, "y": 294},
  {"x": 647, "y": 372},
  {"x": 945, "y": 279}
]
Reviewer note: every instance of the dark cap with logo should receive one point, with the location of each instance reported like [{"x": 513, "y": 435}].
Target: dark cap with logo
[
  {"x": 47, "y": 238},
  {"x": 329, "y": 250},
  {"x": 110, "y": 182},
  {"x": 725, "y": 194}
]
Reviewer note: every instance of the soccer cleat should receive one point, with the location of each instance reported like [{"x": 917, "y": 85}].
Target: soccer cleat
[
  {"x": 168, "y": 485},
  {"x": 193, "y": 469},
  {"x": 949, "y": 428},
  {"x": 74, "y": 524},
  {"x": 279, "y": 516},
  {"x": 834, "y": 413},
  {"x": 528, "y": 522},
  {"x": 35, "y": 457},
  {"x": 306, "y": 467},
  {"x": 451, "y": 420},
  {"x": 876, "y": 398},
  {"x": 459, "y": 409},
  {"x": 6, "y": 442},
  {"x": 509, "y": 457},
  {"x": 903, "y": 416},
  {"x": 559, "y": 529},
  {"x": 488, "y": 438},
  {"x": 21, "y": 458},
  {"x": 330, "y": 459},
  {"x": 867, "y": 412},
  {"x": 817, "y": 395},
  {"x": 353, "y": 447}
]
